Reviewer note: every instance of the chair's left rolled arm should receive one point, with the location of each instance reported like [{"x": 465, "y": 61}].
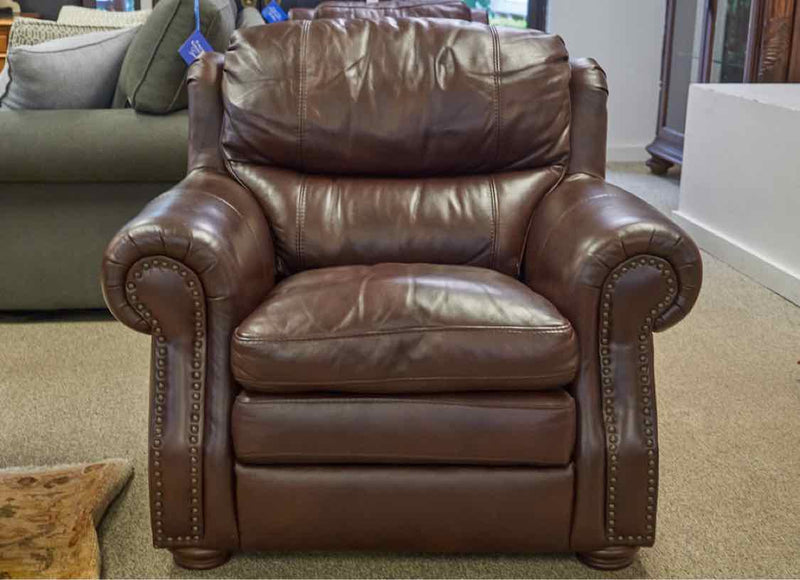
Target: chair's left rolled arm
[{"x": 187, "y": 270}]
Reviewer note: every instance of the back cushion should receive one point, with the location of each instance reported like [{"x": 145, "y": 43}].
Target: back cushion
[
  {"x": 396, "y": 140},
  {"x": 400, "y": 9}
]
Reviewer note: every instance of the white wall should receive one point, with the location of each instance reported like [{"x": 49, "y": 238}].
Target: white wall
[
  {"x": 740, "y": 180},
  {"x": 626, "y": 38}
]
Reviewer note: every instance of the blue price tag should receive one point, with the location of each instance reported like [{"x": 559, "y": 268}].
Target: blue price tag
[
  {"x": 194, "y": 46},
  {"x": 273, "y": 12}
]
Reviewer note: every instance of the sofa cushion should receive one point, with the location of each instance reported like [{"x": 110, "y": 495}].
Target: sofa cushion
[
  {"x": 32, "y": 31},
  {"x": 536, "y": 428},
  {"x": 399, "y": 98},
  {"x": 403, "y": 328},
  {"x": 80, "y": 16},
  {"x": 153, "y": 76},
  {"x": 77, "y": 72}
]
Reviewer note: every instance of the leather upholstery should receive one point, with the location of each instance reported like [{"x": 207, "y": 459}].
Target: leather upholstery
[
  {"x": 403, "y": 328},
  {"x": 453, "y": 9},
  {"x": 577, "y": 272},
  {"x": 459, "y": 428},
  {"x": 589, "y": 93},
  {"x": 283, "y": 107},
  {"x": 413, "y": 186},
  {"x": 428, "y": 509},
  {"x": 323, "y": 220}
]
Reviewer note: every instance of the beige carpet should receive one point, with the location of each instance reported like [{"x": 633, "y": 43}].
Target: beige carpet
[{"x": 75, "y": 389}]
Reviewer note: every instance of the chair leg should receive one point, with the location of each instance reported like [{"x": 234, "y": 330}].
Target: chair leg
[
  {"x": 611, "y": 558},
  {"x": 199, "y": 558}
]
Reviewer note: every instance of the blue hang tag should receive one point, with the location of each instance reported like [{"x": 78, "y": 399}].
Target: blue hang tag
[
  {"x": 194, "y": 46},
  {"x": 273, "y": 13}
]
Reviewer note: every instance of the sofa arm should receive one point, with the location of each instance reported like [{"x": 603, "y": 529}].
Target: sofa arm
[
  {"x": 106, "y": 146},
  {"x": 618, "y": 270},
  {"x": 187, "y": 270}
]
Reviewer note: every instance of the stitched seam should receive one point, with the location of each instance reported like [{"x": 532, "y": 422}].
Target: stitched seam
[
  {"x": 493, "y": 194},
  {"x": 301, "y": 97},
  {"x": 565, "y": 329},
  {"x": 395, "y": 401},
  {"x": 251, "y": 382},
  {"x": 301, "y": 219},
  {"x": 496, "y": 104},
  {"x": 446, "y": 458}
]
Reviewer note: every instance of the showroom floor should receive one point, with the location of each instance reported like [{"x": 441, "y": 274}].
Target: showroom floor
[{"x": 74, "y": 388}]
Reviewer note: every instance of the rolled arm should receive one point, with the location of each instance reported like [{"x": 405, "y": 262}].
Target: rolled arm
[
  {"x": 587, "y": 227},
  {"x": 209, "y": 223},
  {"x": 618, "y": 270},
  {"x": 187, "y": 270}
]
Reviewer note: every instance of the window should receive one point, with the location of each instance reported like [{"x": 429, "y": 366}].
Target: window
[{"x": 516, "y": 13}]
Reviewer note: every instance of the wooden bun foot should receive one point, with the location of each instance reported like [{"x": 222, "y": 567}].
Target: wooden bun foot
[
  {"x": 611, "y": 558},
  {"x": 199, "y": 558}
]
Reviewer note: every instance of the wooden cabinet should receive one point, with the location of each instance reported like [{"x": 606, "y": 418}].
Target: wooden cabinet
[
  {"x": 720, "y": 41},
  {"x": 5, "y": 34},
  {"x": 5, "y": 30}
]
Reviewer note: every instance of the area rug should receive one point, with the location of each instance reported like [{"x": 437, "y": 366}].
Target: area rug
[{"x": 48, "y": 517}]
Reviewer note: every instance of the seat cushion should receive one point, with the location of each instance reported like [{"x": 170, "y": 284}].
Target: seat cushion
[
  {"x": 534, "y": 428},
  {"x": 403, "y": 328}
]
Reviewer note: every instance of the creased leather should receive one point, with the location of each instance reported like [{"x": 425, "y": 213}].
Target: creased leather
[
  {"x": 395, "y": 328},
  {"x": 532, "y": 429},
  {"x": 215, "y": 227},
  {"x": 579, "y": 233},
  {"x": 456, "y": 10},
  {"x": 397, "y": 98},
  {"x": 321, "y": 221}
]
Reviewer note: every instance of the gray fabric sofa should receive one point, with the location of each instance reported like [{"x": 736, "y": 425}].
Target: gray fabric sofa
[{"x": 69, "y": 180}]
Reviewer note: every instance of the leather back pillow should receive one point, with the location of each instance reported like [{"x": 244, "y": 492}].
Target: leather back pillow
[
  {"x": 407, "y": 97},
  {"x": 454, "y": 9},
  {"x": 153, "y": 76}
]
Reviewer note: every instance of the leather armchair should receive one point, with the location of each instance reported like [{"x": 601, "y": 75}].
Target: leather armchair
[{"x": 394, "y": 305}]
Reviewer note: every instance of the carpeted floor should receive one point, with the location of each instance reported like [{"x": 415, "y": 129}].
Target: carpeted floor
[{"x": 74, "y": 388}]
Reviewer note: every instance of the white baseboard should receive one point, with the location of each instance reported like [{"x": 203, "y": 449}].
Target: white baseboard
[
  {"x": 626, "y": 153},
  {"x": 748, "y": 262}
]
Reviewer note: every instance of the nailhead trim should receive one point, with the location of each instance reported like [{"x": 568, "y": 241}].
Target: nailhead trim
[
  {"x": 646, "y": 399},
  {"x": 160, "y": 380}
]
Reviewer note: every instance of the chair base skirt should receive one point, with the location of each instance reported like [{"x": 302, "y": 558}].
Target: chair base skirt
[{"x": 404, "y": 508}]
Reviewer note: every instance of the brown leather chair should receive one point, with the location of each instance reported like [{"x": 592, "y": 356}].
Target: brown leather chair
[{"x": 394, "y": 304}]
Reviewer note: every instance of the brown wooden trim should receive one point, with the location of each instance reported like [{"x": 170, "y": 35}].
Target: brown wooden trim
[
  {"x": 776, "y": 40},
  {"x": 794, "y": 58}
]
